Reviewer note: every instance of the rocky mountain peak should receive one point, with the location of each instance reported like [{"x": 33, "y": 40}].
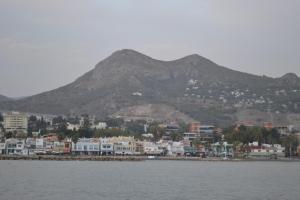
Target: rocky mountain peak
[
  {"x": 290, "y": 76},
  {"x": 192, "y": 85}
]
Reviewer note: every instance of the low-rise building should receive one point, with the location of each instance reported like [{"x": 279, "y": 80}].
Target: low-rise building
[
  {"x": 73, "y": 126},
  {"x": 151, "y": 148},
  {"x": 14, "y": 146},
  {"x": 123, "y": 145},
  {"x": 222, "y": 149},
  {"x": 30, "y": 146},
  {"x": 99, "y": 125},
  {"x": 176, "y": 149},
  {"x": 62, "y": 147},
  {"x": 106, "y": 147},
  {"x": 265, "y": 150},
  {"x": 86, "y": 146}
]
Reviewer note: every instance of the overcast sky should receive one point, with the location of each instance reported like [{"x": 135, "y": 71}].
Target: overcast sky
[{"x": 47, "y": 44}]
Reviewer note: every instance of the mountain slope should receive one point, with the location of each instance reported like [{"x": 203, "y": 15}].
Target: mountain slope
[
  {"x": 4, "y": 98},
  {"x": 192, "y": 85}
]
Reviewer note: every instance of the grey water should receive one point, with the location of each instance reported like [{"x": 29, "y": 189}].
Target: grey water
[{"x": 84, "y": 180}]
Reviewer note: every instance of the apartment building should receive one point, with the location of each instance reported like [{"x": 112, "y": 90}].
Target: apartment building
[{"x": 15, "y": 121}]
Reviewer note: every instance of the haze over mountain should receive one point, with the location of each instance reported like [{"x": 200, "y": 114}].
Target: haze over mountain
[
  {"x": 132, "y": 85},
  {"x": 4, "y": 98}
]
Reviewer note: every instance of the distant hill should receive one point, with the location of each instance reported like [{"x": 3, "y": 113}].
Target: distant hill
[
  {"x": 132, "y": 85},
  {"x": 4, "y": 98}
]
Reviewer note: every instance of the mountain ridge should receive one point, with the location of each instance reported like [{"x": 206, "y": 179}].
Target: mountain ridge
[{"x": 192, "y": 85}]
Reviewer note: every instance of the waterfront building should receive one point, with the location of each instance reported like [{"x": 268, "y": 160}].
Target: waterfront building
[
  {"x": 14, "y": 146},
  {"x": 40, "y": 143},
  {"x": 222, "y": 149},
  {"x": 190, "y": 151},
  {"x": 106, "y": 147},
  {"x": 63, "y": 147},
  {"x": 86, "y": 146},
  {"x": 15, "y": 121},
  {"x": 123, "y": 145},
  {"x": 139, "y": 148},
  {"x": 176, "y": 149},
  {"x": 265, "y": 150},
  {"x": 151, "y": 148},
  {"x": 49, "y": 140},
  {"x": 30, "y": 146}
]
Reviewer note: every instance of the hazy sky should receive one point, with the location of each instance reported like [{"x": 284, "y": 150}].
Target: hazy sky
[{"x": 46, "y": 44}]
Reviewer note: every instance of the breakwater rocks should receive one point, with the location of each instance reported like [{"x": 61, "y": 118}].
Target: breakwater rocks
[
  {"x": 131, "y": 158},
  {"x": 103, "y": 158},
  {"x": 72, "y": 158}
]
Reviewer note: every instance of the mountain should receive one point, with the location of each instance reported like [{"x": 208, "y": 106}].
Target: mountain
[
  {"x": 132, "y": 85},
  {"x": 4, "y": 98}
]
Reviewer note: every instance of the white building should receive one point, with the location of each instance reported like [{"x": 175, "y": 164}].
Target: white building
[
  {"x": 86, "y": 146},
  {"x": 176, "y": 149},
  {"x": 151, "y": 148},
  {"x": 190, "y": 136},
  {"x": 14, "y": 146},
  {"x": 15, "y": 121},
  {"x": 100, "y": 125},
  {"x": 106, "y": 147},
  {"x": 73, "y": 126}
]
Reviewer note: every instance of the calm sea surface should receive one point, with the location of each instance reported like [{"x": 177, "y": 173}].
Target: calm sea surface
[{"x": 84, "y": 180}]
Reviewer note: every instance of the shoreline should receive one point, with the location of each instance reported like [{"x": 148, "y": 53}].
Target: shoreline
[{"x": 135, "y": 158}]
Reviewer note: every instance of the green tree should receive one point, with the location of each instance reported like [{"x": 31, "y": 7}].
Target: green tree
[
  {"x": 156, "y": 130},
  {"x": 114, "y": 122},
  {"x": 175, "y": 136},
  {"x": 8, "y": 135},
  {"x": 290, "y": 143},
  {"x": 136, "y": 126},
  {"x": 75, "y": 137}
]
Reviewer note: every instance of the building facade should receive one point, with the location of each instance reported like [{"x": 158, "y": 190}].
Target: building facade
[{"x": 15, "y": 121}]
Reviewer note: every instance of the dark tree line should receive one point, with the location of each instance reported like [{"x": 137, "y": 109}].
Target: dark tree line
[{"x": 246, "y": 135}]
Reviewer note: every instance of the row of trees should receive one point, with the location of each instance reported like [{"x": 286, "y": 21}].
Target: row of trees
[{"x": 246, "y": 135}]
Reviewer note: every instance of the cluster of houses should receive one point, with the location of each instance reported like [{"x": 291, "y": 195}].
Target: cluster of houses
[
  {"x": 204, "y": 134},
  {"x": 121, "y": 145}
]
